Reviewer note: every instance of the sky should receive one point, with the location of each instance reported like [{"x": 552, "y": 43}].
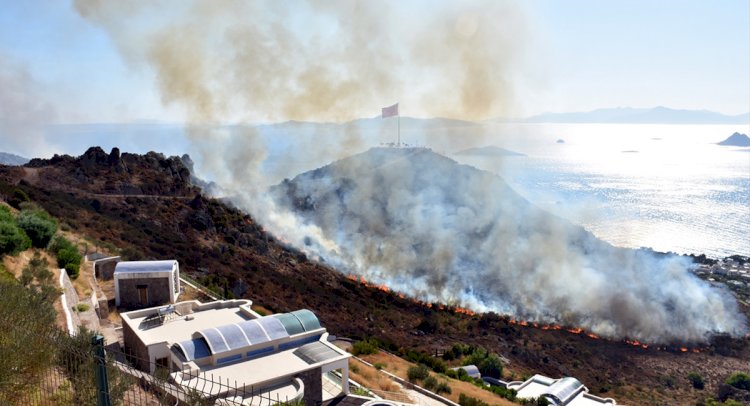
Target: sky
[{"x": 57, "y": 67}]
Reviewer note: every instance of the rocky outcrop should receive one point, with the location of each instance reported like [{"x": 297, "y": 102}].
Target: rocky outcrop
[{"x": 121, "y": 173}]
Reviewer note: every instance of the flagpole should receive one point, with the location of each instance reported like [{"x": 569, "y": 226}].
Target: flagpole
[{"x": 399, "y": 130}]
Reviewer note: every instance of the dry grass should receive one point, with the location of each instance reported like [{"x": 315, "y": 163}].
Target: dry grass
[
  {"x": 191, "y": 293},
  {"x": 85, "y": 281},
  {"x": 261, "y": 310},
  {"x": 372, "y": 379},
  {"x": 399, "y": 366}
]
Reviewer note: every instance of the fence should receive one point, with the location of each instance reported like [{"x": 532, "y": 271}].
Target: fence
[{"x": 82, "y": 371}]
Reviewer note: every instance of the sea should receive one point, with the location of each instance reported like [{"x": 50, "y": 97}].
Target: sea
[{"x": 667, "y": 187}]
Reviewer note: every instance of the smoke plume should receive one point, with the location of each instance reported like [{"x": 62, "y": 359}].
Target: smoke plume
[
  {"x": 23, "y": 112},
  {"x": 425, "y": 225}
]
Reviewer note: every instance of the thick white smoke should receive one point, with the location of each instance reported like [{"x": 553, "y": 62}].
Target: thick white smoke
[{"x": 446, "y": 232}]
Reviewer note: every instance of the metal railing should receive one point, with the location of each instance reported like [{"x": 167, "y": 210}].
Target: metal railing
[{"x": 83, "y": 372}]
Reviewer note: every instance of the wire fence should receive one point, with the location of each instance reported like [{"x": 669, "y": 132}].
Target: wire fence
[{"x": 81, "y": 371}]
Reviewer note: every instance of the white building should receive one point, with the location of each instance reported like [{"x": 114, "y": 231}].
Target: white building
[
  {"x": 566, "y": 391},
  {"x": 283, "y": 356},
  {"x": 146, "y": 283}
]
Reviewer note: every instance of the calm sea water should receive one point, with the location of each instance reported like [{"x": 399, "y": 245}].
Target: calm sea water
[{"x": 668, "y": 187}]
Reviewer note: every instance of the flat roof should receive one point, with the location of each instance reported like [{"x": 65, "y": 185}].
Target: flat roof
[
  {"x": 180, "y": 328},
  {"x": 259, "y": 370}
]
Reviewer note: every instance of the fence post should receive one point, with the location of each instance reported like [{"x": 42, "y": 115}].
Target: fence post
[{"x": 102, "y": 382}]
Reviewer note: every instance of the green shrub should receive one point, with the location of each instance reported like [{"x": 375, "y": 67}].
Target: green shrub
[
  {"x": 19, "y": 196},
  {"x": 464, "y": 400},
  {"x": 82, "y": 307},
  {"x": 365, "y": 347},
  {"x": 72, "y": 270},
  {"x": 417, "y": 373},
  {"x": 379, "y": 365},
  {"x": 696, "y": 380},
  {"x": 739, "y": 380},
  {"x": 38, "y": 225},
  {"x": 69, "y": 256},
  {"x": 443, "y": 387},
  {"x": 489, "y": 364},
  {"x": 430, "y": 383},
  {"x": 12, "y": 239},
  {"x": 509, "y": 394},
  {"x": 360, "y": 391}
]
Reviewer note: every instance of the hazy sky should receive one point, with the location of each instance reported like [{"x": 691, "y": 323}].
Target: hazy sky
[{"x": 577, "y": 55}]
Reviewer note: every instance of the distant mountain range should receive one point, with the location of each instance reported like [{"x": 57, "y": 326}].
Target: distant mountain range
[
  {"x": 629, "y": 115},
  {"x": 12, "y": 159}
]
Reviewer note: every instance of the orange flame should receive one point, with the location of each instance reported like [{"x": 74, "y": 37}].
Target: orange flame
[
  {"x": 683, "y": 349},
  {"x": 592, "y": 335},
  {"x": 575, "y": 330}
]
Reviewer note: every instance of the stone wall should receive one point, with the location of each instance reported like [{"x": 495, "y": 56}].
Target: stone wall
[
  {"x": 104, "y": 269},
  {"x": 135, "y": 347},
  {"x": 158, "y": 292},
  {"x": 313, "y": 381}
]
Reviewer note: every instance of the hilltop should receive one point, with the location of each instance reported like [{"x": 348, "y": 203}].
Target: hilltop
[
  {"x": 426, "y": 225},
  {"x": 151, "y": 209}
]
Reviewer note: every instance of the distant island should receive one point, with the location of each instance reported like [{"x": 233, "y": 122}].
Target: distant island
[
  {"x": 12, "y": 159},
  {"x": 560, "y": 141},
  {"x": 736, "y": 140},
  {"x": 629, "y": 115},
  {"x": 488, "y": 151}
]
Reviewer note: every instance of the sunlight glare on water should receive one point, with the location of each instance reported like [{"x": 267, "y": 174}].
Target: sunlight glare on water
[{"x": 668, "y": 187}]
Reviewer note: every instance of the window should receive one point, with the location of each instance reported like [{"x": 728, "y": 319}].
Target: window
[{"x": 228, "y": 359}]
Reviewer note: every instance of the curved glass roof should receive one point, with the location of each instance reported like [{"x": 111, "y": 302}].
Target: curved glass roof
[
  {"x": 564, "y": 389},
  {"x": 254, "y": 331},
  {"x": 194, "y": 349},
  {"x": 235, "y": 336},
  {"x": 273, "y": 327},
  {"x": 292, "y": 325},
  {"x": 215, "y": 340},
  {"x": 307, "y": 318}
]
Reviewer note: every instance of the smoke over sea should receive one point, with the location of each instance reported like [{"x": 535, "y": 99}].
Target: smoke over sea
[
  {"x": 412, "y": 219},
  {"x": 425, "y": 225}
]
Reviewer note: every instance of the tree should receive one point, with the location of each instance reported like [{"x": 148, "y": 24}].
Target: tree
[{"x": 38, "y": 225}]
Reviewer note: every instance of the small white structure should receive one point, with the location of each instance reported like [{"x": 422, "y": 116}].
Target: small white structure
[
  {"x": 146, "y": 283},
  {"x": 471, "y": 370},
  {"x": 566, "y": 391}
]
